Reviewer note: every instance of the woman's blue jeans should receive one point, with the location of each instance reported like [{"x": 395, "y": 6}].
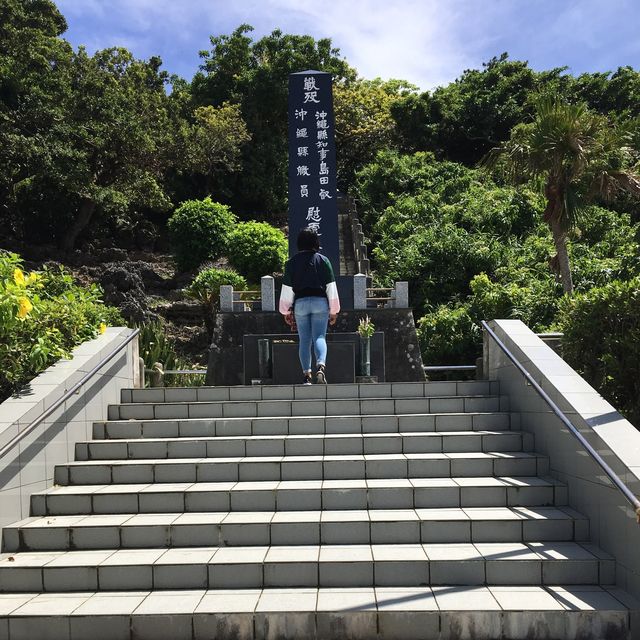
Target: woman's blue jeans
[{"x": 312, "y": 316}]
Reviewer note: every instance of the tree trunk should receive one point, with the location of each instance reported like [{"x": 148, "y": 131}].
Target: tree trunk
[
  {"x": 87, "y": 207},
  {"x": 562, "y": 255}
]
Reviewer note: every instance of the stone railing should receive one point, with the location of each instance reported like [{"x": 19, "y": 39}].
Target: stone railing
[
  {"x": 28, "y": 466},
  {"x": 396, "y": 297},
  {"x": 231, "y": 300},
  {"x": 359, "y": 247},
  {"x": 612, "y": 522}
]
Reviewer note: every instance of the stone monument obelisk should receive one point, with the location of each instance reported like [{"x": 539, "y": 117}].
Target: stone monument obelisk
[{"x": 312, "y": 161}]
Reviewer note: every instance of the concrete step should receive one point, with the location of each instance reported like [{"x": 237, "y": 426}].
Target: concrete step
[
  {"x": 319, "y": 407},
  {"x": 341, "y": 526},
  {"x": 314, "y": 392},
  {"x": 357, "y": 565},
  {"x": 300, "y": 425},
  {"x": 442, "y": 612},
  {"x": 301, "y": 445},
  {"x": 398, "y": 493},
  {"x": 327, "y": 467}
]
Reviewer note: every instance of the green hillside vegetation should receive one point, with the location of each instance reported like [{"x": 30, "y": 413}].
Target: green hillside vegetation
[{"x": 506, "y": 193}]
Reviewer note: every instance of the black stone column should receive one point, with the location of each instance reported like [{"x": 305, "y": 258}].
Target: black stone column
[{"x": 312, "y": 161}]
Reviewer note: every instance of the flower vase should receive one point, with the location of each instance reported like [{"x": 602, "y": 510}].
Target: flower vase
[{"x": 365, "y": 356}]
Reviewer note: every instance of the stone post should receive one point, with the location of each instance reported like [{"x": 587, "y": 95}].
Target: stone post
[
  {"x": 268, "y": 293},
  {"x": 401, "y": 295},
  {"x": 157, "y": 375},
  {"x": 226, "y": 297},
  {"x": 359, "y": 291}
]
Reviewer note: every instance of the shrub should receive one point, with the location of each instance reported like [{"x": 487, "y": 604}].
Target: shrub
[
  {"x": 199, "y": 230},
  {"x": 206, "y": 285},
  {"x": 535, "y": 303},
  {"x": 257, "y": 249},
  {"x": 602, "y": 341},
  {"x": 43, "y": 316},
  {"x": 449, "y": 337}
]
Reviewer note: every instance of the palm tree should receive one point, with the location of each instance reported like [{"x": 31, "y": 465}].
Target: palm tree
[{"x": 577, "y": 155}]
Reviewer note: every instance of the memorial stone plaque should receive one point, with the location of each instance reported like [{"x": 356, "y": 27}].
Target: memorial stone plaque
[{"x": 312, "y": 161}]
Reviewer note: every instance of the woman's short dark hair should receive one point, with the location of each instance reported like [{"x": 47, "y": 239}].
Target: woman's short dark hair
[{"x": 308, "y": 240}]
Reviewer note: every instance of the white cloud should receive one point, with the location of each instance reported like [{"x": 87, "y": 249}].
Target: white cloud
[
  {"x": 410, "y": 39},
  {"x": 427, "y": 42}
]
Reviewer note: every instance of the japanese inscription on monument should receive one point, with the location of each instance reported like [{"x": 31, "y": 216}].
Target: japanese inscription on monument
[{"x": 312, "y": 161}]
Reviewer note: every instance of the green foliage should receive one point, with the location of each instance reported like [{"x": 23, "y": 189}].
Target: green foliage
[
  {"x": 449, "y": 336},
  {"x": 438, "y": 224},
  {"x": 101, "y": 149},
  {"x": 212, "y": 143},
  {"x": 206, "y": 285},
  {"x": 199, "y": 231},
  {"x": 43, "y": 316},
  {"x": 463, "y": 120},
  {"x": 254, "y": 74},
  {"x": 438, "y": 261},
  {"x": 155, "y": 346},
  {"x": 535, "y": 302},
  {"x": 602, "y": 341},
  {"x": 257, "y": 249},
  {"x": 577, "y": 155},
  {"x": 364, "y": 124}
]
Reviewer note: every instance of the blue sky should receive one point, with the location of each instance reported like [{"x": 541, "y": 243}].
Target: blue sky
[{"x": 427, "y": 42}]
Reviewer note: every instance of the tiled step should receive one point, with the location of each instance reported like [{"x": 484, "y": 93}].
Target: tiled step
[
  {"x": 527, "y": 612},
  {"x": 300, "y": 425},
  {"x": 341, "y": 526},
  {"x": 328, "y": 467},
  {"x": 299, "y": 392},
  {"x": 301, "y": 445},
  {"x": 321, "y": 407},
  {"x": 393, "y": 493},
  {"x": 408, "y": 565}
]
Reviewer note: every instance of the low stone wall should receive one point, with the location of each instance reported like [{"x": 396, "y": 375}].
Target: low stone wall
[
  {"x": 402, "y": 352},
  {"x": 613, "y": 524},
  {"x": 28, "y": 467}
]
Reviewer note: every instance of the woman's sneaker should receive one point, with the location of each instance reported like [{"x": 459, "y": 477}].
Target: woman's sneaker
[
  {"x": 321, "y": 378},
  {"x": 307, "y": 379}
]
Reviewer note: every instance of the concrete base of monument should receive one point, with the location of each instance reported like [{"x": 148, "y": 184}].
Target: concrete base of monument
[{"x": 233, "y": 355}]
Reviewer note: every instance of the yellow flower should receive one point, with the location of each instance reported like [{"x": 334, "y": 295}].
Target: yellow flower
[
  {"x": 18, "y": 277},
  {"x": 33, "y": 276},
  {"x": 24, "y": 307},
  {"x": 102, "y": 327}
]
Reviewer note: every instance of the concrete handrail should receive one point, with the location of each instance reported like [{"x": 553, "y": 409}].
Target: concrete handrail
[
  {"x": 611, "y": 474},
  {"x": 45, "y": 414}
]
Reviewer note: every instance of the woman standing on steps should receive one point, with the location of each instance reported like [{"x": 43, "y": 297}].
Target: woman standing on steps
[{"x": 309, "y": 294}]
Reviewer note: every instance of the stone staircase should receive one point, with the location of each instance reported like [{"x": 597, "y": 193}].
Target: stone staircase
[{"x": 404, "y": 510}]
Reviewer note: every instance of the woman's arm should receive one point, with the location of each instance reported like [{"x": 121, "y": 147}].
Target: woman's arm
[
  {"x": 286, "y": 294},
  {"x": 331, "y": 288}
]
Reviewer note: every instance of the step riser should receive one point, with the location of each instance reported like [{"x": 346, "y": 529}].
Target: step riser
[
  {"x": 303, "y": 445},
  {"x": 195, "y": 428},
  {"x": 359, "y": 624},
  {"x": 297, "y": 392},
  {"x": 303, "y": 574},
  {"x": 298, "y": 500},
  {"x": 290, "y": 533},
  {"x": 232, "y": 471},
  {"x": 284, "y": 408}
]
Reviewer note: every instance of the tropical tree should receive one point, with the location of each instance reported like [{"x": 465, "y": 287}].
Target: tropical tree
[
  {"x": 463, "y": 120},
  {"x": 364, "y": 124},
  {"x": 577, "y": 155},
  {"x": 34, "y": 72},
  {"x": 212, "y": 143},
  {"x": 254, "y": 75}
]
